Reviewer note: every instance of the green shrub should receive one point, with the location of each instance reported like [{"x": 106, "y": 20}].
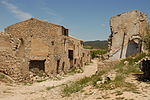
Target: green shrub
[
  {"x": 131, "y": 67},
  {"x": 2, "y": 76},
  {"x": 134, "y": 58},
  {"x": 95, "y": 53}
]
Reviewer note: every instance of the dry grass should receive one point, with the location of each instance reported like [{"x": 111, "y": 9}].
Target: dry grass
[{"x": 122, "y": 72}]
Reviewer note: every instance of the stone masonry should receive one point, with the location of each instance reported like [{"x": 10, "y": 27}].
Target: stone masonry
[
  {"x": 81, "y": 56},
  {"x": 39, "y": 45},
  {"x": 127, "y": 30},
  {"x": 11, "y": 64}
]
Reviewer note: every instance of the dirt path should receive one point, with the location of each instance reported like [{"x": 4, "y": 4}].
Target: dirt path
[{"x": 37, "y": 91}]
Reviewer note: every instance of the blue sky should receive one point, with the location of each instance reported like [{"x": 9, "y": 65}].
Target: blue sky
[{"x": 85, "y": 19}]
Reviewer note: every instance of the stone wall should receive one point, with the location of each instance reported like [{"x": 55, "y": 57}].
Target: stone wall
[
  {"x": 80, "y": 55},
  {"x": 86, "y": 56},
  {"x": 42, "y": 41},
  {"x": 45, "y": 46},
  {"x": 126, "y": 32},
  {"x": 11, "y": 64}
]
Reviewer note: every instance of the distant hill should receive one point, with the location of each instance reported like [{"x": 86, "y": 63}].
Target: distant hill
[{"x": 96, "y": 44}]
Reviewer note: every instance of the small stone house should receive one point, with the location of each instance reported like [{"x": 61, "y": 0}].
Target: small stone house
[
  {"x": 127, "y": 30},
  {"x": 44, "y": 46}
]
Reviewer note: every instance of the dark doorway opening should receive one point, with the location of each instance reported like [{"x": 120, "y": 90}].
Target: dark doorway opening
[
  {"x": 70, "y": 56},
  {"x": 37, "y": 65},
  {"x": 58, "y": 65},
  {"x": 75, "y": 61}
]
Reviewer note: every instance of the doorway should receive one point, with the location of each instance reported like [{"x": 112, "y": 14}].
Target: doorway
[
  {"x": 37, "y": 65},
  {"x": 58, "y": 65},
  {"x": 70, "y": 56}
]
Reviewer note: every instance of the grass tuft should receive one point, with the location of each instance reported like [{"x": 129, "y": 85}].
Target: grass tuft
[
  {"x": 119, "y": 82},
  {"x": 76, "y": 86},
  {"x": 49, "y": 88},
  {"x": 2, "y": 76}
]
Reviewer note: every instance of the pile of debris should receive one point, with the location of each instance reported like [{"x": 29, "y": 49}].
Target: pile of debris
[{"x": 37, "y": 75}]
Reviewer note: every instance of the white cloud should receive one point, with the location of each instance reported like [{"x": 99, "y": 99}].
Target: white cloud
[
  {"x": 52, "y": 15},
  {"x": 16, "y": 11}
]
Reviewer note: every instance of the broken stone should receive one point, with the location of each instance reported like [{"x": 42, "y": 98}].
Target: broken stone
[
  {"x": 126, "y": 32},
  {"x": 104, "y": 80},
  {"x": 99, "y": 82},
  {"x": 126, "y": 62}
]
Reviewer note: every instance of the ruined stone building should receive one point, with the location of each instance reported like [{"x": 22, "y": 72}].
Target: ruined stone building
[
  {"x": 38, "y": 44},
  {"x": 127, "y": 30},
  {"x": 80, "y": 56}
]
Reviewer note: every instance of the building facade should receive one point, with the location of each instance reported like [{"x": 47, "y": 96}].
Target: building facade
[{"x": 45, "y": 46}]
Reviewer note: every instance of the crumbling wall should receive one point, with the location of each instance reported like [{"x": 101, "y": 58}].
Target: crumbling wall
[
  {"x": 125, "y": 28},
  {"x": 75, "y": 46},
  {"x": 86, "y": 56},
  {"x": 11, "y": 64},
  {"x": 81, "y": 56}
]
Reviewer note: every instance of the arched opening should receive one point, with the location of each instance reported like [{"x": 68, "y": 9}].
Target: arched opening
[{"x": 132, "y": 48}]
